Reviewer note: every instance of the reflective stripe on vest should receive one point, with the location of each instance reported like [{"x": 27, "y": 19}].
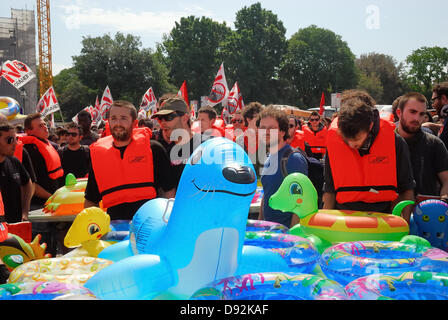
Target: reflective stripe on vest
[
  {"x": 316, "y": 140},
  {"x": 371, "y": 178},
  {"x": 124, "y": 180},
  {"x": 50, "y": 155}
]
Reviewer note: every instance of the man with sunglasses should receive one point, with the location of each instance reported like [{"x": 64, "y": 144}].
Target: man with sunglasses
[
  {"x": 315, "y": 136},
  {"x": 249, "y": 139},
  {"x": 296, "y": 136},
  {"x": 75, "y": 158},
  {"x": 236, "y": 126},
  {"x": 15, "y": 182},
  {"x": 175, "y": 125},
  {"x": 439, "y": 101}
]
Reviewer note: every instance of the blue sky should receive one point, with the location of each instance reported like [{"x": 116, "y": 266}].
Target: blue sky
[{"x": 393, "y": 27}]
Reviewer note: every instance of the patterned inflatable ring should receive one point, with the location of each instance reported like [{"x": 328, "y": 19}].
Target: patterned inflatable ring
[
  {"x": 412, "y": 285},
  {"x": 348, "y": 261},
  {"x": 272, "y": 286},
  {"x": 299, "y": 253},
  {"x": 261, "y": 225},
  {"x": 42, "y": 291},
  {"x": 76, "y": 270},
  {"x": 9, "y": 107}
]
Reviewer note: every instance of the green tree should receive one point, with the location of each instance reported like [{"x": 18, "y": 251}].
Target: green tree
[
  {"x": 253, "y": 52},
  {"x": 372, "y": 84},
  {"x": 191, "y": 50},
  {"x": 72, "y": 95},
  {"x": 123, "y": 65},
  {"x": 317, "y": 61},
  {"x": 380, "y": 76},
  {"x": 427, "y": 66}
]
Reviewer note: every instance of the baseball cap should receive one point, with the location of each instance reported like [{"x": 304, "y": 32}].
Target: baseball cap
[{"x": 171, "y": 105}]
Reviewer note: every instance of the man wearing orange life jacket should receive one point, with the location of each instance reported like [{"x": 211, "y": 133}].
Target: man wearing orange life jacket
[
  {"x": 128, "y": 168},
  {"x": 315, "y": 136},
  {"x": 249, "y": 139},
  {"x": 48, "y": 170},
  {"x": 207, "y": 117},
  {"x": 367, "y": 167},
  {"x": 297, "y": 136},
  {"x": 44, "y": 157},
  {"x": 237, "y": 127}
]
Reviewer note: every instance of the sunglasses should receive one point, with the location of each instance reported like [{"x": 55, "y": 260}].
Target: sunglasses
[
  {"x": 11, "y": 140},
  {"x": 73, "y": 134},
  {"x": 168, "y": 117},
  {"x": 313, "y": 120},
  {"x": 291, "y": 125},
  {"x": 434, "y": 99},
  {"x": 237, "y": 121}
]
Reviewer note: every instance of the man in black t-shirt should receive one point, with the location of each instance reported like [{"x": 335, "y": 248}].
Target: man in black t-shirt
[
  {"x": 15, "y": 183},
  {"x": 85, "y": 121},
  {"x": 175, "y": 124},
  {"x": 428, "y": 154},
  {"x": 75, "y": 158},
  {"x": 124, "y": 195}
]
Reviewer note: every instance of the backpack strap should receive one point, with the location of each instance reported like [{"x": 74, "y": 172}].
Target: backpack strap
[{"x": 285, "y": 157}]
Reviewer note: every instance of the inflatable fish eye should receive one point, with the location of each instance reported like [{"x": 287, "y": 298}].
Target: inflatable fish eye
[
  {"x": 295, "y": 188},
  {"x": 442, "y": 218},
  {"x": 93, "y": 228},
  {"x": 196, "y": 157},
  {"x": 425, "y": 218}
]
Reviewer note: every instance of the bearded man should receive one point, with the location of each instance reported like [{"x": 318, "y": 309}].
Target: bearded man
[
  {"x": 127, "y": 168},
  {"x": 428, "y": 154}
]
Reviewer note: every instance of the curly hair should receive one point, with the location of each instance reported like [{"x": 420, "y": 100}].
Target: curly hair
[{"x": 279, "y": 116}]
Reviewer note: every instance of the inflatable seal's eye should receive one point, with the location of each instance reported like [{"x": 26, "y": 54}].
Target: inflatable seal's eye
[
  {"x": 196, "y": 157},
  {"x": 425, "y": 218},
  {"x": 441, "y": 218},
  {"x": 93, "y": 228},
  {"x": 295, "y": 188}
]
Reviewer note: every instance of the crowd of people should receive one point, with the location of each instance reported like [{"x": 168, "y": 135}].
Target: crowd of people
[{"x": 357, "y": 160}]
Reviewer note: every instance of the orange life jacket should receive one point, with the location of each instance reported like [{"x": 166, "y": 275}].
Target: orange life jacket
[
  {"x": 371, "y": 178},
  {"x": 124, "y": 180},
  {"x": 299, "y": 140},
  {"x": 316, "y": 140},
  {"x": 50, "y": 155},
  {"x": 3, "y": 225},
  {"x": 18, "y": 153}
]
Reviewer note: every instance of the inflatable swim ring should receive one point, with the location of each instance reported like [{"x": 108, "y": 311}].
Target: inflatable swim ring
[
  {"x": 325, "y": 227},
  {"x": 9, "y": 107},
  {"x": 272, "y": 286},
  {"x": 41, "y": 290},
  {"x": 299, "y": 254},
  {"x": 76, "y": 270},
  {"x": 261, "y": 225},
  {"x": 417, "y": 285},
  {"x": 348, "y": 261}
]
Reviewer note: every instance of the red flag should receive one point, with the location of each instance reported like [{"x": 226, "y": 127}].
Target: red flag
[
  {"x": 322, "y": 104},
  {"x": 183, "y": 92}
]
